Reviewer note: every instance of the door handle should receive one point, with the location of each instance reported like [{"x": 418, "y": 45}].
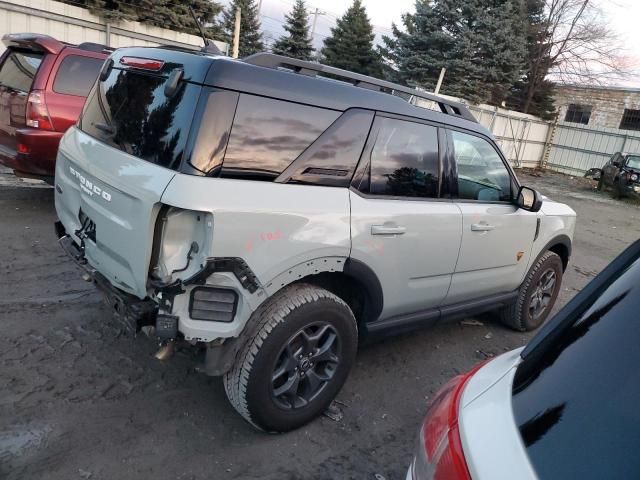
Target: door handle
[
  {"x": 481, "y": 227},
  {"x": 387, "y": 229}
]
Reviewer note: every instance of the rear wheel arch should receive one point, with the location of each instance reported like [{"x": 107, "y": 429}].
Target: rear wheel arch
[{"x": 351, "y": 280}]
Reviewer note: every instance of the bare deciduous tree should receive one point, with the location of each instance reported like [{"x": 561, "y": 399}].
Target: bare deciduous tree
[{"x": 575, "y": 45}]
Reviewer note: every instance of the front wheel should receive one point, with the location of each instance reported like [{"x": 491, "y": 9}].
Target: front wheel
[
  {"x": 537, "y": 295},
  {"x": 298, "y": 360}
]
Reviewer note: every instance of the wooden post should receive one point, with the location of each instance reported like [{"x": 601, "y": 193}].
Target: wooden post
[
  {"x": 548, "y": 143},
  {"x": 236, "y": 34},
  {"x": 440, "y": 79}
]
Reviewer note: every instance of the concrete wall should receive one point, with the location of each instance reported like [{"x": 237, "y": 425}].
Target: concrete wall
[
  {"x": 76, "y": 25},
  {"x": 607, "y": 104}
]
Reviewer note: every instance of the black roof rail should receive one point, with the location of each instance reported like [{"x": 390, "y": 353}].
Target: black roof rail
[
  {"x": 271, "y": 60},
  {"x": 94, "y": 47}
]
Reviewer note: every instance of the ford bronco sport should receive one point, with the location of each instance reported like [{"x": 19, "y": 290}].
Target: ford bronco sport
[{"x": 274, "y": 212}]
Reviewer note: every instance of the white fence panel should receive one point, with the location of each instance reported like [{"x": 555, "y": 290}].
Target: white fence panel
[
  {"x": 575, "y": 148},
  {"x": 522, "y": 137}
]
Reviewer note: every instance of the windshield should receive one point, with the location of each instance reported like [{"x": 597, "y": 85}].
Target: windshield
[
  {"x": 130, "y": 111},
  {"x": 633, "y": 162},
  {"x": 578, "y": 403}
]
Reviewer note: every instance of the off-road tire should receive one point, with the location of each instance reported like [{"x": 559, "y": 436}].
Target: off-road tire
[
  {"x": 248, "y": 384},
  {"x": 517, "y": 315},
  {"x": 618, "y": 189}
]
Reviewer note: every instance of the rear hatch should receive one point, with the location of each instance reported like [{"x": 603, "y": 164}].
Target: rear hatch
[
  {"x": 129, "y": 142},
  {"x": 18, "y": 71}
]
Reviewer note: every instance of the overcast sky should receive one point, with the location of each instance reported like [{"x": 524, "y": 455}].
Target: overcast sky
[{"x": 623, "y": 17}]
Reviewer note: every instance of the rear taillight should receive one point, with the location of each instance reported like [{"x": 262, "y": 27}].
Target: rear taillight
[
  {"x": 439, "y": 455},
  {"x": 37, "y": 113}
]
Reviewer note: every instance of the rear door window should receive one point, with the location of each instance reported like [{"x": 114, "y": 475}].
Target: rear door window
[
  {"x": 76, "y": 75},
  {"x": 404, "y": 159},
  {"x": 19, "y": 70},
  {"x": 130, "y": 111},
  {"x": 268, "y": 135}
]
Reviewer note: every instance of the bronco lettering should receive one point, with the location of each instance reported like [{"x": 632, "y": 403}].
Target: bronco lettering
[{"x": 88, "y": 186}]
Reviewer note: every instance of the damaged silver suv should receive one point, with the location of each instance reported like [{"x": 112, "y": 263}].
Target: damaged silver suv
[{"x": 273, "y": 213}]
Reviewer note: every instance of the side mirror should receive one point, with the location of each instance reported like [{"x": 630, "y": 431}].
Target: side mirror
[
  {"x": 616, "y": 163},
  {"x": 529, "y": 199}
]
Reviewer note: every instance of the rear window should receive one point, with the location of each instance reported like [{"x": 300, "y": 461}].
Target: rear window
[
  {"x": 19, "y": 69},
  {"x": 577, "y": 405},
  {"x": 267, "y": 135},
  {"x": 76, "y": 75},
  {"x": 131, "y": 112}
]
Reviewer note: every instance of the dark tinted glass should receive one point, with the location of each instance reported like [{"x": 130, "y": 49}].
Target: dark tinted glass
[
  {"x": 633, "y": 161},
  {"x": 404, "y": 159},
  {"x": 19, "y": 69},
  {"x": 77, "y": 75},
  {"x": 131, "y": 112},
  {"x": 215, "y": 127},
  {"x": 481, "y": 173},
  {"x": 577, "y": 406},
  {"x": 630, "y": 119},
  {"x": 578, "y": 113},
  {"x": 268, "y": 135},
  {"x": 334, "y": 156}
]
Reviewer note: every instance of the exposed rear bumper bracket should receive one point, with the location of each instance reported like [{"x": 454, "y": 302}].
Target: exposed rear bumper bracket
[
  {"x": 237, "y": 266},
  {"x": 142, "y": 312}
]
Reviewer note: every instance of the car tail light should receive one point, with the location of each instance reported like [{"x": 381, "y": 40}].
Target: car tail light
[
  {"x": 37, "y": 112},
  {"x": 439, "y": 454},
  {"x": 142, "y": 63}
]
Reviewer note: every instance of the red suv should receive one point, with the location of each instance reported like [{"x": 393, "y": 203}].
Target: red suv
[{"x": 43, "y": 86}]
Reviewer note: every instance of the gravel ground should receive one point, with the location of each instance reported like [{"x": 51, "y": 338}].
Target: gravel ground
[{"x": 81, "y": 398}]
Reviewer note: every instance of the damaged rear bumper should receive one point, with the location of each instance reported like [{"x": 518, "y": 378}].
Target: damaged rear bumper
[{"x": 140, "y": 312}]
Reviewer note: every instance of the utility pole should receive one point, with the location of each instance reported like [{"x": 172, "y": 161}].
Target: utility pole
[
  {"x": 315, "y": 14},
  {"x": 236, "y": 34},
  {"x": 315, "y": 20}
]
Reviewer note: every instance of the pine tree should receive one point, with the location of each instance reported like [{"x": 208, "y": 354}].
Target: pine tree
[
  {"x": 350, "y": 45},
  {"x": 533, "y": 93},
  {"x": 480, "y": 43},
  {"x": 161, "y": 13},
  {"x": 296, "y": 43},
  {"x": 250, "y": 35}
]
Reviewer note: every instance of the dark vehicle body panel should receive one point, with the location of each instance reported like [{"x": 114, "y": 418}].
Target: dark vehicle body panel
[
  {"x": 575, "y": 392},
  {"x": 616, "y": 173}
]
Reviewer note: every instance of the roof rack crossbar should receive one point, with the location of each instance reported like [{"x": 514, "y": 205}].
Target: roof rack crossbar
[{"x": 271, "y": 60}]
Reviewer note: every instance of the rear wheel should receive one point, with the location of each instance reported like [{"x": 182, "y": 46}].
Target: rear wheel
[
  {"x": 294, "y": 366},
  {"x": 537, "y": 295}
]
